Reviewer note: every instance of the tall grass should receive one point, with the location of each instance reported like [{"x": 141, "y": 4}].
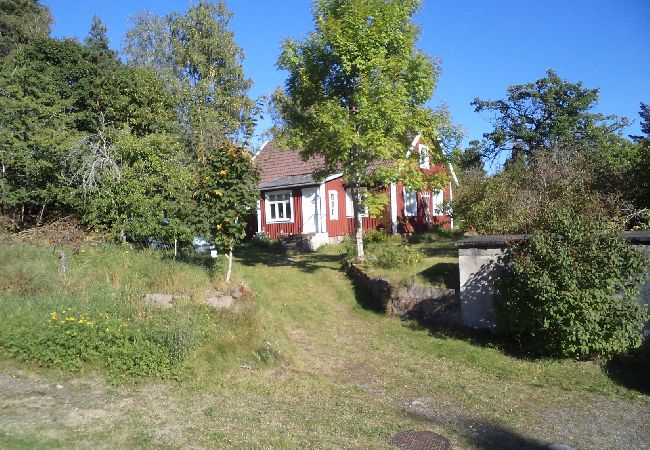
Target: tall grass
[{"x": 95, "y": 317}]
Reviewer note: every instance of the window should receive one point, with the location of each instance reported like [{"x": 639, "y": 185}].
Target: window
[
  {"x": 438, "y": 203},
  {"x": 410, "y": 203},
  {"x": 423, "y": 151},
  {"x": 278, "y": 207},
  {"x": 349, "y": 205},
  {"x": 334, "y": 205}
]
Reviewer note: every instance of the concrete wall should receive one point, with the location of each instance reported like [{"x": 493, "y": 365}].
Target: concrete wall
[
  {"x": 478, "y": 267},
  {"x": 425, "y": 304},
  {"x": 480, "y": 262}
]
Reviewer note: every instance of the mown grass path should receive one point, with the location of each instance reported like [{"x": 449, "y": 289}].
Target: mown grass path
[{"x": 345, "y": 376}]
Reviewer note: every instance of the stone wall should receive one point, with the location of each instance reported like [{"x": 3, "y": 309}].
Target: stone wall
[
  {"x": 480, "y": 261},
  {"x": 426, "y": 304}
]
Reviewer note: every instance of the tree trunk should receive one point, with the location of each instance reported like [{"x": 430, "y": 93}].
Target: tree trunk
[
  {"x": 358, "y": 224},
  {"x": 40, "y": 216},
  {"x": 229, "y": 273}
]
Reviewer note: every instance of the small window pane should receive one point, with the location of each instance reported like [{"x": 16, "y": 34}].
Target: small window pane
[
  {"x": 288, "y": 209},
  {"x": 273, "y": 216}
]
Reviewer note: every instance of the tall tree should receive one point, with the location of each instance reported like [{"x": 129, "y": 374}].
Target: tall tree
[
  {"x": 97, "y": 40},
  {"x": 225, "y": 194},
  {"x": 356, "y": 92},
  {"x": 547, "y": 114},
  {"x": 21, "y": 22},
  {"x": 196, "y": 55}
]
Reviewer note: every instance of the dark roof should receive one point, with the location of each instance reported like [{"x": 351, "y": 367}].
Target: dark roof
[
  {"x": 640, "y": 237},
  {"x": 280, "y": 165},
  {"x": 292, "y": 180},
  {"x": 490, "y": 241}
]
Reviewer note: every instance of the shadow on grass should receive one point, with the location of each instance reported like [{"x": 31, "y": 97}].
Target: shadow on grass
[
  {"x": 443, "y": 274},
  {"x": 632, "y": 370},
  {"x": 365, "y": 299},
  {"x": 250, "y": 255}
]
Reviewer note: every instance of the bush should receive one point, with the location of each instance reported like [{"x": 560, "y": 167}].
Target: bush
[
  {"x": 96, "y": 319},
  {"x": 571, "y": 290}
]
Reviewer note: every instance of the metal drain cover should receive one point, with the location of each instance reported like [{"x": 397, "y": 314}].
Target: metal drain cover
[{"x": 420, "y": 440}]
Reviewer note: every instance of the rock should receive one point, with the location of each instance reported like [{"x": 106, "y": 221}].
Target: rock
[
  {"x": 58, "y": 386},
  {"x": 222, "y": 301},
  {"x": 559, "y": 447},
  {"x": 162, "y": 300}
]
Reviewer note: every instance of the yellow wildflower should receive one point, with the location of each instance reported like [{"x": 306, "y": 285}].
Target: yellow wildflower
[
  {"x": 223, "y": 172},
  {"x": 81, "y": 321},
  {"x": 219, "y": 226}
]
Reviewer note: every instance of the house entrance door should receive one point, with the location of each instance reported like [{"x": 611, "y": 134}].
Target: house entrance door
[{"x": 309, "y": 210}]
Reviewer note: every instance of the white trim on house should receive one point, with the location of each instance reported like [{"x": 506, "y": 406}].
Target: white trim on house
[
  {"x": 322, "y": 208},
  {"x": 424, "y": 155},
  {"x": 259, "y": 216},
  {"x": 413, "y": 144},
  {"x": 333, "y": 177},
  {"x": 393, "y": 207},
  {"x": 451, "y": 199},
  {"x": 349, "y": 204},
  {"x": 408, "y": 203},
  {"x": 333, "y": 204},
  {"x": 283, "y": 202},
  {"x": 261, "y": 148},
  {"x": 438, "y": 202}
]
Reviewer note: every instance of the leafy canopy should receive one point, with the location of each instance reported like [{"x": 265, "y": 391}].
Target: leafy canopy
[
  {"x": 572, "y": 289},
  {"x": 356, "y": 90},
  {"x": 196, "y": 56},
  {"x": 545, "y": 115}
]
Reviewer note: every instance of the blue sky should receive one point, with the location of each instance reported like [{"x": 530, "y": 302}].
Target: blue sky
[{"x": 484, "y": 46}]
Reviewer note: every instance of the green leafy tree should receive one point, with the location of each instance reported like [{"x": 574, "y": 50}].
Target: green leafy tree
[
  {"x": 355, "y": 95},
  {"x": 130, "y": 183},
  {"x": 97, "y": 38},
  {"x": 572, "y": 289},
  {"x": 22, "y": 22},
  {"x": 545, "y": 115},
  {"x": 37, "y": 126},
  {"x": 470, "y": 159},
  {"x": 225, "y": 192},
  {"x": 195, "y": 54}
]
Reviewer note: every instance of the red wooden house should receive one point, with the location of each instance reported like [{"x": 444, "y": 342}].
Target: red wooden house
[{"x": 293, "y": 202}]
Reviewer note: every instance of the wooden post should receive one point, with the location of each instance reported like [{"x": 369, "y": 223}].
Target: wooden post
[{"x": 63, "y": 263}]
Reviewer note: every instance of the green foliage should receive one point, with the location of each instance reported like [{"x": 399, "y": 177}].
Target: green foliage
[
  {"x": 149, "y": 183},
  {"x": 518, "y": 198},
  {"x": 96, "y": 318},
  {"x": 385, "y": 250},
  {"x": 21, "y": 22},
  {"x": 356, "y": 93},
  {"x": 571, "y": 289},
  {"x": 545, "y": 115},
  {"x": 196, "y": 56},
  {"x": 225, "y": 194}
]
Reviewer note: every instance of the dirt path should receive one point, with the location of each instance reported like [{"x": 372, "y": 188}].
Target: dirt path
[{"x": 347, "y": 377}]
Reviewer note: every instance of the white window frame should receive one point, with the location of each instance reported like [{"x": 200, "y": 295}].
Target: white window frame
[
  {"x": 438, "y": 202},
  {"x": 333, "y": 202},
  {"x": 425, "y": 156},
  {"x": 268, "y": 202},
  {"x": 349, "y": 204},
  {"x": 407, "y": 193}
]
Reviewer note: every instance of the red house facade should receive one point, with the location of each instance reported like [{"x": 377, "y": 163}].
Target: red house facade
[{"x": 293, "y": 202}]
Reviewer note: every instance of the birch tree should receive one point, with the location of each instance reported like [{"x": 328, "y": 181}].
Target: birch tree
[{"x": 356, "y": 95}]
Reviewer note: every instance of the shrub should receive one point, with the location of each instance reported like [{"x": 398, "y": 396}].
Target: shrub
[
  {"x": 393, "y": 255},
  {"x": 96, "y": 319},
  {"x": 571, "y": 290}
]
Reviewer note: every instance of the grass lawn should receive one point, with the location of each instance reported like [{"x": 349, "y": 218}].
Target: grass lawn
[
  {"x": 438, "y": 266},
  {"x": 338, "y": 375}
]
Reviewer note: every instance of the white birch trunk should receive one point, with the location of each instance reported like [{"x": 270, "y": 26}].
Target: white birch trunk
[
  {"x": 358, "y": 224},
  {"x": 229, "y": 273}
]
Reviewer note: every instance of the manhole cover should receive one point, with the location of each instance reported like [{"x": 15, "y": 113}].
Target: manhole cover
[{"x": 420, "y": 440}]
